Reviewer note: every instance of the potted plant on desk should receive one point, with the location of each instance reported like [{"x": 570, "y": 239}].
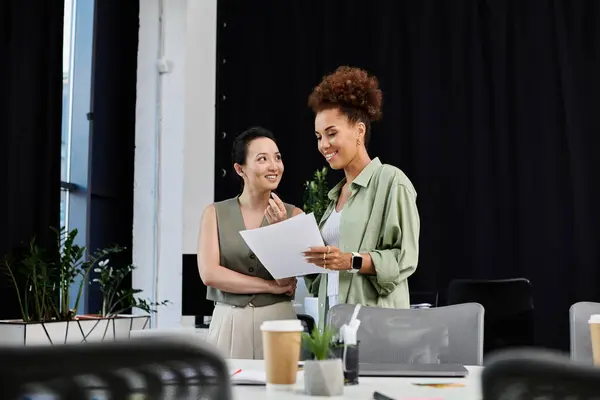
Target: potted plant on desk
[{"x": 323, "y": 375}]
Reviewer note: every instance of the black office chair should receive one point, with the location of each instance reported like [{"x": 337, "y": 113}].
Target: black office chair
[
  {"x": 309, "y": 324},
  {"x": 418, "y": 298},
  {"x": 307, "y": 321},
  {"x": 156, "y": 368},
  {"x": 509, "y": 310},
  {"x": 525, "y": 374}
]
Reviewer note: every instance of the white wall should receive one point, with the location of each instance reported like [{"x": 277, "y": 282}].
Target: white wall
[
  {"x": 199, "y": 154},
  {"x": 174, "y": 159}
]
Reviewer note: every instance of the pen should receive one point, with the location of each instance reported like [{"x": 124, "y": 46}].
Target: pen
[
  {"x": 380, "y": 396},
  {"x": 236, "y": 372}
]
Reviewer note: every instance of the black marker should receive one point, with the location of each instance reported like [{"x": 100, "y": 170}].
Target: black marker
[{"x": 380, "y": 396}]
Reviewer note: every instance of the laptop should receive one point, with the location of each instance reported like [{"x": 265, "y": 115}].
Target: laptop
[{"x": 413, "y": 370}]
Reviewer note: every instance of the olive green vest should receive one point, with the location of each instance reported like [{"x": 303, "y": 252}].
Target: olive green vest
[{"x": 237, "y": 256}]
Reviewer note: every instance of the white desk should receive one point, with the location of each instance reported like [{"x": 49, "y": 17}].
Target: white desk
[
  {"x": 396, "y": 388},
  {"x": 190, "y": 332}
]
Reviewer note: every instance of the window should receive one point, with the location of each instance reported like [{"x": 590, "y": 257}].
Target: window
[
  {"x": 66, "y": 108},
  {"x": 77, "y": 84},
  {"x": 77, "y": 89}
]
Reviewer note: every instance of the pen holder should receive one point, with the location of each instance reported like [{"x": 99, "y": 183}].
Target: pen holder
[{"x": 349, "y": 361}]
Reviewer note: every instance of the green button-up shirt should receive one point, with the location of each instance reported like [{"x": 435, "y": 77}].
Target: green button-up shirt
[{"x": 380, "y": 218}]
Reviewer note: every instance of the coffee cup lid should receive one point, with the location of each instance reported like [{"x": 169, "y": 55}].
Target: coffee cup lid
[
  {"x": 594, "y": 319},
  {"x": 283, "y": 325}
]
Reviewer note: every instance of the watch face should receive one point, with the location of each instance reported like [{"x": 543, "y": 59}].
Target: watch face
[{"x": 356, "y": 262}]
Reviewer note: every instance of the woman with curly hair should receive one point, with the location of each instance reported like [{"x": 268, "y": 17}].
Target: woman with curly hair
[{"x": 371, "y": 227}]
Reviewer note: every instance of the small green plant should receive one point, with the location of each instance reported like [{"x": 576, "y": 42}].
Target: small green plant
[
  {"x": 319, "y": 343},
  {"x": 115, "y": 300},
  {"x": 42, "y": 280},
  {"x": 315, "y": 194}
]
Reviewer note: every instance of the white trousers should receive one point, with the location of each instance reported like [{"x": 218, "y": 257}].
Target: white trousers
[{"x": 235, "y": 331}]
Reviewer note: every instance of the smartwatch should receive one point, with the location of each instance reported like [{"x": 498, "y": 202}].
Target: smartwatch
[{"x": 356, "y": 262}]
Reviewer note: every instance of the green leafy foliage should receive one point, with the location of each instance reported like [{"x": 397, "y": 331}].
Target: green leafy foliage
[
  {"x": 315, "y": 194},
  {"x": 319, "y": 343},
  {"x": 115, "y": 299},
  {"x": 43, "y": 280}
]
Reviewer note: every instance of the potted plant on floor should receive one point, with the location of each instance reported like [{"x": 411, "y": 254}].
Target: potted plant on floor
[
  {"x": 316, "y": 200},
  {"x": 324, "y": 374},
  {"x": 315, "y": 194},
  {"x": 116, "y": 300},
  {"x": 45, "y": 283}
]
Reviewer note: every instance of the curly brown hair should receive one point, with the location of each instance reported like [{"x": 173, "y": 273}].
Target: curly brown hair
[{"x": 353, "y": 92}]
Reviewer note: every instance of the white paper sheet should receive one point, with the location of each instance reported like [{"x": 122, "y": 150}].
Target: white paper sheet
[{"x": 280, "y": 246}]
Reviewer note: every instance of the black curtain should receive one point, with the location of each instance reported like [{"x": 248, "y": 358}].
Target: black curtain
[
  {"x": 490, "y": 107},
  {"x": 113, "y": 132},
  {"x": 31, "y": 39}
]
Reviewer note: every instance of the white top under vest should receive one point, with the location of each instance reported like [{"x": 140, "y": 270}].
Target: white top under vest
[{"x": 331, "y": 236}]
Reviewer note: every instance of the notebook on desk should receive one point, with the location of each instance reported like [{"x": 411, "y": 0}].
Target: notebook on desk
[
  {"x": 413, "y": 370},
  {"x": 254, "y": 378}
]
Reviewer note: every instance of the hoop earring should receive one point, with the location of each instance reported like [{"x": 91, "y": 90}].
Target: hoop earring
[{"x": 358, "y": 142}]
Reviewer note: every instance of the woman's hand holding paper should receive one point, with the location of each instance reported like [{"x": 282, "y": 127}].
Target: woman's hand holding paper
[{"x": 329, "y": 257}]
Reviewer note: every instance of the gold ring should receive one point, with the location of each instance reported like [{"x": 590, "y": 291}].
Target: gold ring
[
  {"x": 325, "y": 266},
  {"x": 324, "y": 256},
  {"x": 328, "y": 249}
]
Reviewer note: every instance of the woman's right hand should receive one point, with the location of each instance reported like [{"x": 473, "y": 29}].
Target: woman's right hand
[
  {"x": 288, "y": 288},
  {"x": 286, "y": 281},
  {"x": 275, "y": 211}
]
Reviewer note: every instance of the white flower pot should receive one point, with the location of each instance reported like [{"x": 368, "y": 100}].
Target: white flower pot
[
  {"x": 84, "y": 329},
  {"x": 324, "y": 377}
]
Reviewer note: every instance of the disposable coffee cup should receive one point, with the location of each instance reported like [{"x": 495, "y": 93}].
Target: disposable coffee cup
[
  {"x": 281, "y": 348},
  {"x": 595, "y": 337}
]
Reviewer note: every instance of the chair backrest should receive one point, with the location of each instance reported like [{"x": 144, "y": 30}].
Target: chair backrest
[
  {"x": 308, "y": 323},
  {"x": 509, "y": 309},
  {"x": 445, "y": 335},
  {"x": 581, "y": 343},
  {"x": 156, "y": 368},
  {"x": 525, "y": 374}
]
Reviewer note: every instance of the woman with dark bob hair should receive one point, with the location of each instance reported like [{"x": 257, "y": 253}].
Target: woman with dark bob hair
[
  {"x": 244, "y": 291},
  {"x": 371, "y": 227}
]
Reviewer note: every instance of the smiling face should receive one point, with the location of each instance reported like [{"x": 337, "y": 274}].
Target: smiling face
[
  {"x": 263, "y": 167},
  {"x": 338, "y": 139}
]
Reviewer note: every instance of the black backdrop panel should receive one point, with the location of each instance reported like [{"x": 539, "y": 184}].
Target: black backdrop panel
[
  {"x": 490, "y": 107},
  {"x": 265, "y": 68},
  {"x": 31, "y": 40}
]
